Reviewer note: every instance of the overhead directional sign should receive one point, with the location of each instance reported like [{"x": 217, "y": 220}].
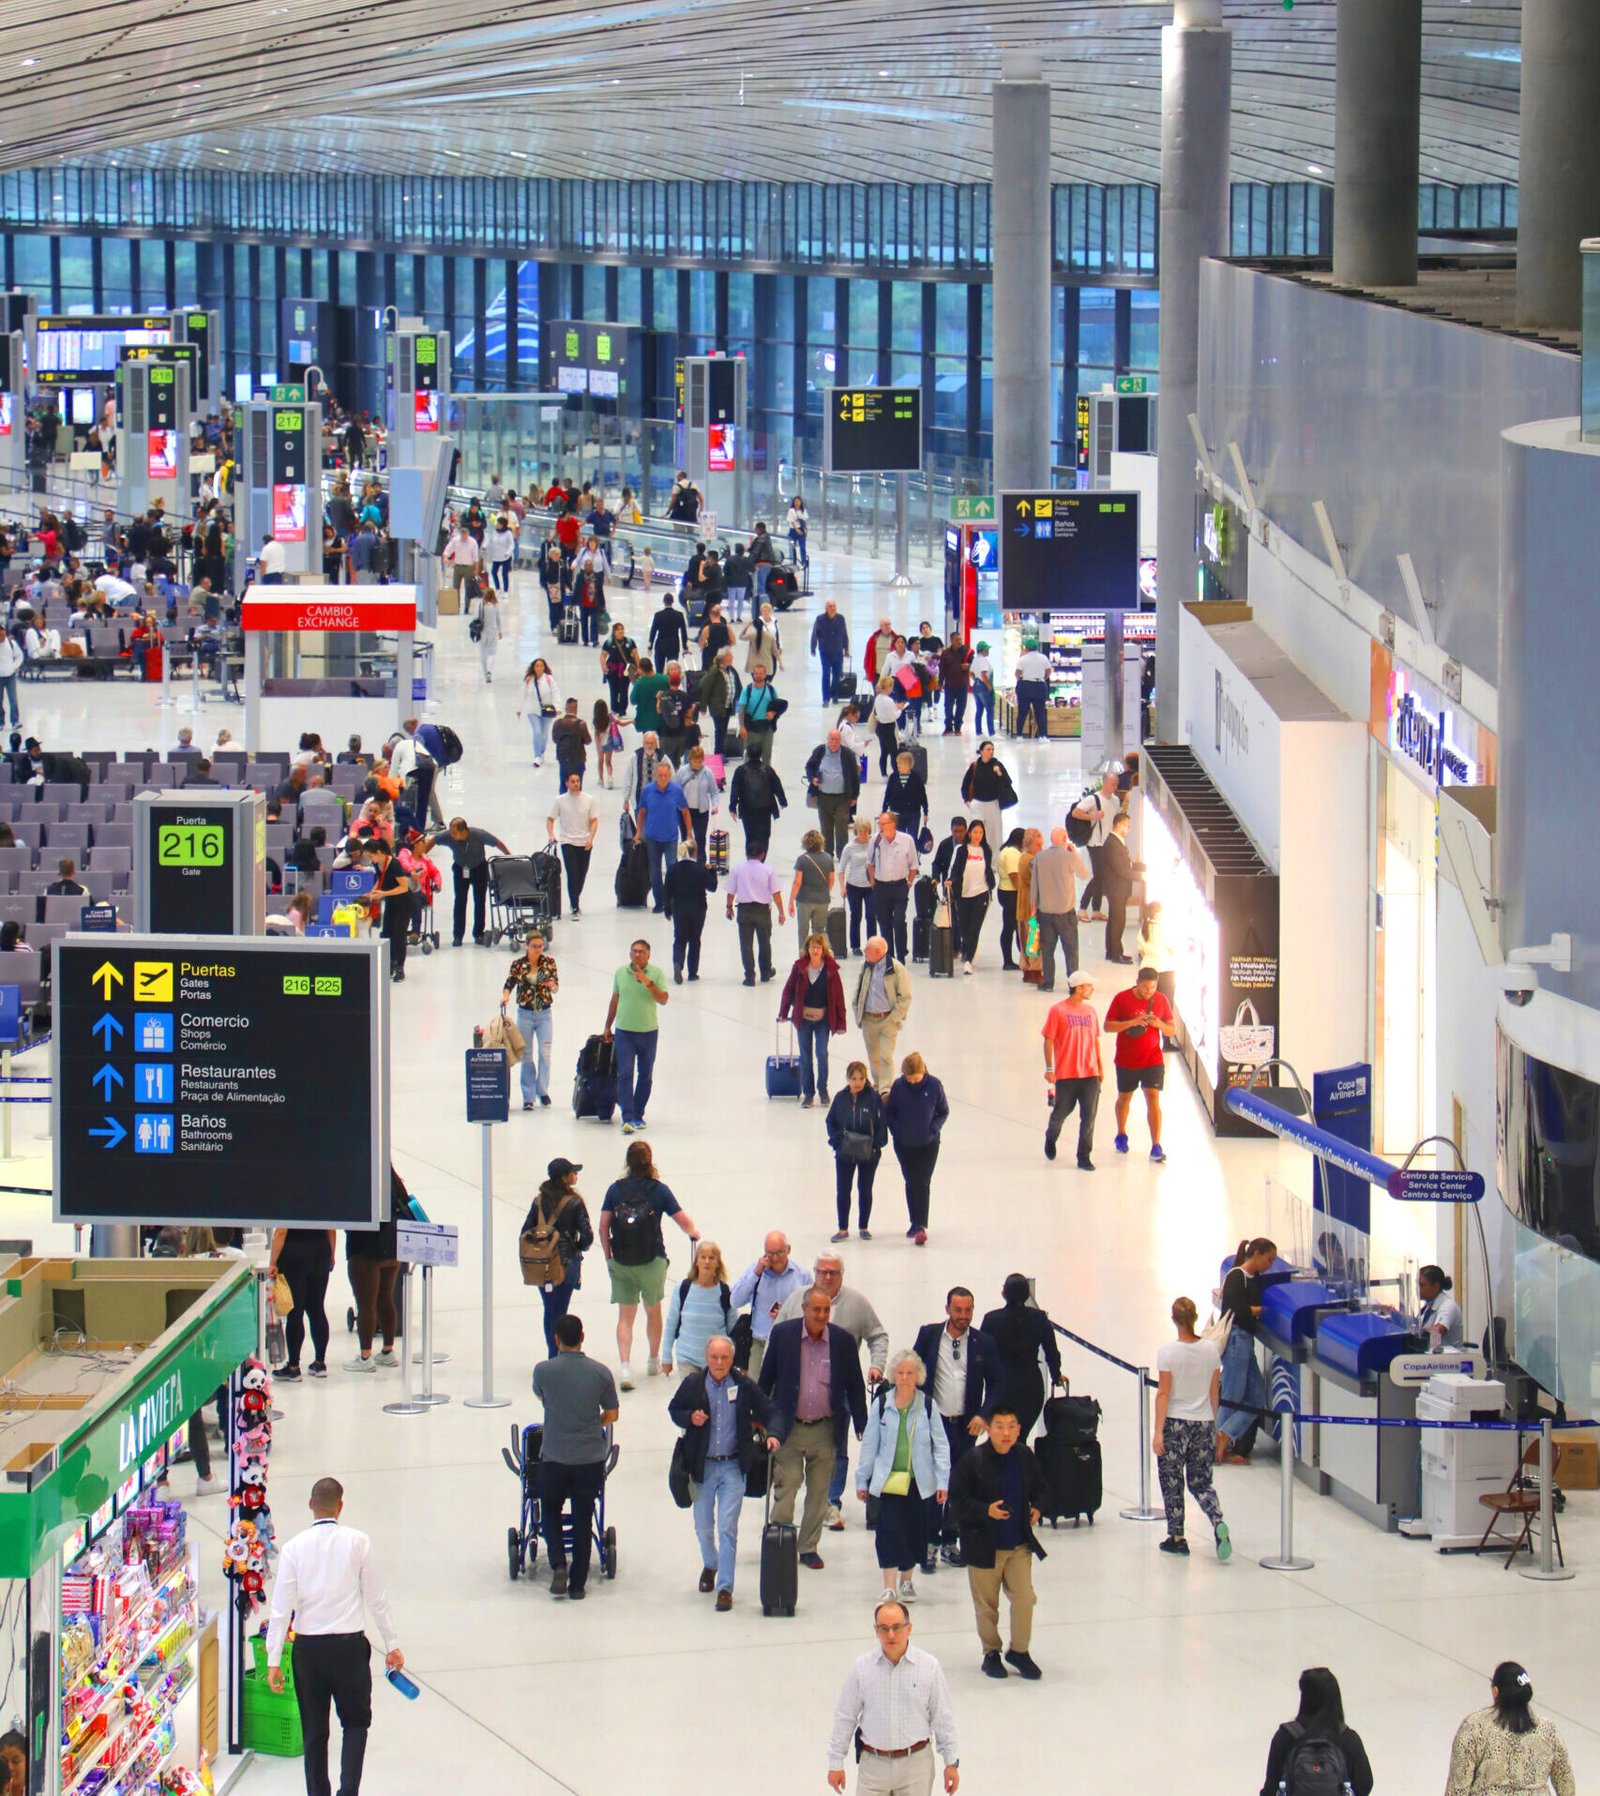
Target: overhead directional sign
[
  {"x": 1436, "y": 1185},
  {"x": 872, "y": 430},
  {"x": 197, "y": 1080},
  {"x": 1069, "y": 551}
]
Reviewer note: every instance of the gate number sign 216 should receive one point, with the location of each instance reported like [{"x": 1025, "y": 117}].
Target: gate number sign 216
[{"x": 177, "y": 846}]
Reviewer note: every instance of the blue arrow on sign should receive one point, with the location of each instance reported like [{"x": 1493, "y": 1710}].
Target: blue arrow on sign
[
  {"x": 105, "y": 1029},
  {"x": 113, "y": 1132},
  {"x": 106, "y": 1078},
  {"x": 1021, "y": 530}
]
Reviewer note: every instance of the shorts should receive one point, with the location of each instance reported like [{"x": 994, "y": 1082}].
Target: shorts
[
  {"x": 637, "y": 1284},
  {"x": 1130, "y": 1078}
]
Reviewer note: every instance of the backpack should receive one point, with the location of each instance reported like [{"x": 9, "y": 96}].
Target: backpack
[
  {"x": 683, "y": 1298},
  {"x": 450, "y": 742},
  {"x": 475, "y": 629},
  {"x": 757, "y": 789},
  {"x": 635, "y": 1232},
  {"x": 539, "y": 1248},
  {"x": 672, "y": 707},
  {"x": 1080, "y": 830},
  {"x": 1314, "y": 1767}
]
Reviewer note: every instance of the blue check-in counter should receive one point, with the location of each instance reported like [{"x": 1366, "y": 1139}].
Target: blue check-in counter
[
  {"x": 1373, "y": 1471},
  {"x": 1291, "y": 1312}
]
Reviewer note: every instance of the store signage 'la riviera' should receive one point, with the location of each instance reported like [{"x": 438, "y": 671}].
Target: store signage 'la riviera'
[
  {"x": 152, "y": 1419},
  {"x": 1425, "y": 735}
]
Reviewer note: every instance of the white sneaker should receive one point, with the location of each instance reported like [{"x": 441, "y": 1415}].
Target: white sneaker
[
  {"x": 626, "y": 1380},
  {"x": 208, "y": 1487},
  {"x": 538, "y": 761},
  {"x": 966, "y": 966},
  {"x": 360, "y": 1365},
  {"x": 387, "y": 1361},
  {"x": 654, "y": 1367},
  {"x": 890, "y": 1594},
  {"x": 907, "y": 1592}
]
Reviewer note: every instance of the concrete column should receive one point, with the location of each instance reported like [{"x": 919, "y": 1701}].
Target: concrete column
[
  {"x": 1558, "y": 184},
  {"x": 1020, "y": 225},
  {"x": 1196, "y": 102},
  {"x": 1377, "y": 137}
]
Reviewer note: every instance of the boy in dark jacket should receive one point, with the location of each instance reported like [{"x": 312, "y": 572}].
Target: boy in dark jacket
[{"x": 995, "y": 1491}]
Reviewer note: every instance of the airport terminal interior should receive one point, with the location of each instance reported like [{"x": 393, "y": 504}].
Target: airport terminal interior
[{"x": 1225, "y": 377}]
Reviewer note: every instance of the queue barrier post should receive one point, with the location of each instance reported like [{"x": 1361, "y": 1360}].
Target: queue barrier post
[
  {"x": 1143, "y": 1511},
  {"x": 487, "y": 1399},
  {"x": 428, "y": 1397},
  {"x": 1285, "y": 1559},
  {"x": 1547, "y": 1571},
  {"x": 408, "y": 1405}
]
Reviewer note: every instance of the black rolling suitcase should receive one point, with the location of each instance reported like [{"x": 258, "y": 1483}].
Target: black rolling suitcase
[
  {"x": 921, "y": 938},
  {"x": 845, "y": 686},
  {"x": 839, "y": 932},
  {"x": 632, "y": 884},
  {"x": 1069, "y": 1460},
  {"x": 941, "y": 952},
  {"x": 546, "y": 869},
  {"x": 780, "y": 1563},
  {"x": 594, "y": 1089}
]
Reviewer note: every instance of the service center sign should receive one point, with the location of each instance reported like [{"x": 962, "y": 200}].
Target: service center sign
[{"x": 330, "y": 608}]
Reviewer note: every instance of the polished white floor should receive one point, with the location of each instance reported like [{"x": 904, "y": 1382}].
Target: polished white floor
[{"x": 1160, "y": 1675}]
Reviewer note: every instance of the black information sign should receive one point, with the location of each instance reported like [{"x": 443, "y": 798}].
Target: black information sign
[
  {"x": 288, "y": 438},
  {"x": 192, "y": 876},
  {"x": 196, "y": 1083},
  {"x": 874, "y": 430},
  {"x": 1072, "y": 551},
  {"x": 488, "y": 1085}
]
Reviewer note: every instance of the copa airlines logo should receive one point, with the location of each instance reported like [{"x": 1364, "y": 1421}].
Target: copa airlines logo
[{"x": 152, "y": 1419}]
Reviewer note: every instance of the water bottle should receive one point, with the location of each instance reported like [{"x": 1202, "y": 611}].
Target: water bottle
[{"x": 411, "y": 1691}]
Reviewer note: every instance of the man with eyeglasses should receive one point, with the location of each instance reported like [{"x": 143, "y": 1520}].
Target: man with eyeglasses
[
  {"x": 895, "y": 1706},
  {"x": 963, "y": 1373}
]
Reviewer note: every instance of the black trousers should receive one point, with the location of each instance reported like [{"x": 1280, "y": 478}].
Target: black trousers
[
  {"x": 308, "y": 1285},
  {"x": 859, "y": 899},
  {"x": 1117, "y": 897},
  {"x": 755, "y": 936},
  {"x": 757, "y": 832},
  {"x": 860, "y": 1174},
  {"x": 1093, "y": 894},
  {"x": 579, "y": 1485},
  {"x": 397, "y": 934},
  {"x": 336, "y": 1669},
  {"x": 475, "y": 880},
  {"x": 889, "y": 907},
  {"x": 1008, "y": 928},
  {"x": 686, "y": 932},
  {"x": 1084, "y": 1095},
  {"x": 971, "y": 912},
  {"x": 576, "y": 862},
  {"x": 917, "y": 1164}
]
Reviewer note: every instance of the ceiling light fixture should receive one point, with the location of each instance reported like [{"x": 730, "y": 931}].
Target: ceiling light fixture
[{"x": 30, "y": 62}]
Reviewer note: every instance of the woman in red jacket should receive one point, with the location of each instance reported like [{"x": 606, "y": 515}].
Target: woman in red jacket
[{"x": 813, "y": 996}]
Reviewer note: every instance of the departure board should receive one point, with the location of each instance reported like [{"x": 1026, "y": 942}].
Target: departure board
[{"x": 873, "y": 430}]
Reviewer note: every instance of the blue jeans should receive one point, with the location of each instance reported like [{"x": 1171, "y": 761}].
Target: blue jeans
[
  {"x": 717, "y": 1501},
  {"x": 983, "y": 709},
  {"x": 557, "y": 1301},
  {"x": 662, "y": 855},
  {"x": 832, "y": 667},
  {"x": 813, "y": 1046},
  {"x": 736, "y": 598},
  {"x": 636, "y": 1070},
  {"x": 539, "y": 724},
  {"x": 8, "y": 689},
  {"x": 841, "y": 1472},
  {"x": 1242, "y": 1384},
  {"x": 797, "y": 542},
  {"x": 536, "y": 1025},
  {"x": 763, "y": 572}
]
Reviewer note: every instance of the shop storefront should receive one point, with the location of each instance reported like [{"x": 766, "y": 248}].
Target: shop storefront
[
  {"x": 127, "y": 1679},
  {"x": 1422, "y": 741}
]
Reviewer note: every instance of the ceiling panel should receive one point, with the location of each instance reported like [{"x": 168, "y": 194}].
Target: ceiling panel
[{"x": 833, "y": 90}]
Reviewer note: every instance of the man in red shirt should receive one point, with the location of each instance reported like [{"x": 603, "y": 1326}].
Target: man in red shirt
[
  {"x": 568, "y": 531},
  {"x": 1141, "y": 1019},
  {"x": 1072, "y": 1066}
]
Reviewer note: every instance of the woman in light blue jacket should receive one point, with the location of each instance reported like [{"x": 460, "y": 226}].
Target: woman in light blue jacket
[
  {"x": 904, "y": 1460},
  {"x": 699, "y": 1309}
]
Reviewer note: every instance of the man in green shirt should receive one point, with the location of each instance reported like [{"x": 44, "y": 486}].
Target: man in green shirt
[
  {"x": 646, "y": 689},
  {"x": 637, "y": 992}
]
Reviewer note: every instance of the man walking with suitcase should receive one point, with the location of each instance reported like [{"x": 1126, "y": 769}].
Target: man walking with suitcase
[
  {"x": 325, "y": 1582},
  {"x": 830, "y": 643}
]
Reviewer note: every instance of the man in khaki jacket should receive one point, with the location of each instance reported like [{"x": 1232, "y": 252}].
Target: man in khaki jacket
[{"x": 882, "y": 999}]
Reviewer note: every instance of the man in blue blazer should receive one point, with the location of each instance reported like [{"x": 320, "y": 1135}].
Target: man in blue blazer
[
  {"x": 812, "y": 1372},
  {"x": 963, "y": 1380}
]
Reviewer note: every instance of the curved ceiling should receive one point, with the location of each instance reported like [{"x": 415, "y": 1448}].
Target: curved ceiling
[{"x": 831, "y": 90}]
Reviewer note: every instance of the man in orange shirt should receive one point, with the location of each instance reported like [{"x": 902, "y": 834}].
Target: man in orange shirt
[{"x": 1072, "y": 1066}]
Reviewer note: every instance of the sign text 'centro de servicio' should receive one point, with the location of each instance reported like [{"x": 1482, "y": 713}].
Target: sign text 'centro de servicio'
[{"x": 193, "y": 1082}]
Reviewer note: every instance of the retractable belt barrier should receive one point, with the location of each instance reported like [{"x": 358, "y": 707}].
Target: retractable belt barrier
[{"x": 1285, "y": 1559}]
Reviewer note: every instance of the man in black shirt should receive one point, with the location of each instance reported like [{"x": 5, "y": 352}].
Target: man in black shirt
[
  {"x": 393, "y": 891},
  {"x": 669, "y": 633},
  {"x": 68, "y": 885}
]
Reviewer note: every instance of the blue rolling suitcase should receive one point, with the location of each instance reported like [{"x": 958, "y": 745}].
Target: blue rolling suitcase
[
  {"x": 594, "y": 1089},
  {"x": 783, "y": 1070}
]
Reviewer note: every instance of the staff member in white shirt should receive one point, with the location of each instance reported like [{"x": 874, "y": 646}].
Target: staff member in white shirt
[
  {"x": 1440, "y": 1323},
  {"x": 1033, "y": 687},
  {"x": 271, "y": 560},
  {"x": 325, "y": 1576},
  {"x": 897, "y": 1698}
]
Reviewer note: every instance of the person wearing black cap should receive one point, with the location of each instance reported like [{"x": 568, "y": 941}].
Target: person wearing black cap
[{"x": 558, "y": 1205}]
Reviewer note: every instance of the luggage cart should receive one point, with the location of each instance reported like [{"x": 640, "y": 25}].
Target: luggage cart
[
  {"x": 518, "y": 902},
  {"x": 522, "y": 1542}
]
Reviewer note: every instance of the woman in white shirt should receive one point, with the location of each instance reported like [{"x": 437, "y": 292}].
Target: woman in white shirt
[
  {"x": 1185, "y": 1441},
  {"x": 855, "y": 882},
  {"x": 489, "y": 637},
  {"x": 971, "y": 880},
  {"x": 1440, "y": 1323},
  {"x": 502, "y": 551},
  {"x": 540, "y": 704},
  {"x": 797, "y": 523},
  {"x": 886, "y": 709}
]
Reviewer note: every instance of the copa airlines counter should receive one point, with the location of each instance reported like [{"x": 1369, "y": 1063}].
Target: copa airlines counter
[{"x": 334, "y": 659}]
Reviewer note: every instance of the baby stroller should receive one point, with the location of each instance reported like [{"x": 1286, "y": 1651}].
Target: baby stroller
[
  {"x": 518, "y": 901},
  {"x": 522, "y": 1542}
]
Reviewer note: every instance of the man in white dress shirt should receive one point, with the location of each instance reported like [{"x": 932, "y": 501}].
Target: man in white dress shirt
[
  {"x": 895, "y": 1700},
  {"x": 325, "y": 1577}
]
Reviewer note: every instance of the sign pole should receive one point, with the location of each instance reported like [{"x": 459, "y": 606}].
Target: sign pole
[
  {"x": 901, "y": 580},
  {"x": 428, "y": 1397},
  {"x": 1547, "y": 1571},
  {"x": 407, "y": 1406},
  {"x": 488, "y": 1400}
]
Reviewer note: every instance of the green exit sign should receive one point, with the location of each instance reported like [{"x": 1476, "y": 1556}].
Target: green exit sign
[
  {"x": 1133, "y": 383},
  {"x": 968, "y": 508},
  {"x": 287, "y": 395}
]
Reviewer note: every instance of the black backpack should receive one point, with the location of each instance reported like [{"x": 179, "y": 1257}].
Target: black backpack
[
  {"x": 672, "y": 707},
  {"x": 1314, "y": 1767},
  {"x": 727, "y": 1306},
  {"x": 756, "y": 791},
  {"x": 635, "y": 1232},
  {"x": 450, "y": 742},
  {"x": 1080, "y": 830}
]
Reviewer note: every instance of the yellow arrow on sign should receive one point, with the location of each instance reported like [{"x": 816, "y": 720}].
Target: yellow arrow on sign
[
  {"x": 1024, "y": 506},
  {"x": 103, "y": 975}
]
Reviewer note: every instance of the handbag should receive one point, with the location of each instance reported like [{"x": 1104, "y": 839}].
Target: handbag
[
  {"x": 1246, "y": 1041},
  {"x": 855, "y": 1147},
  {"x": 1217, "y": 1332},
  {"x": 678, "y": 1480},
  {"x": 282, "y": 1296},
  {"x": 941, "y": 914}
]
